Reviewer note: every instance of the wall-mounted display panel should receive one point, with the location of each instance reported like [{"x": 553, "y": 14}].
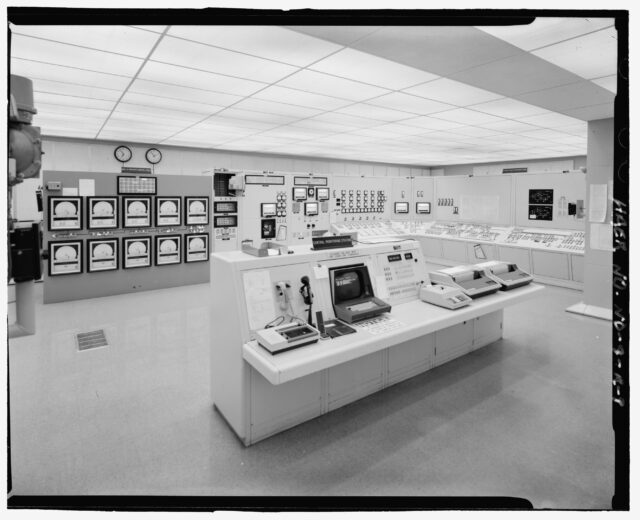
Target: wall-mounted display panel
[
  {"x": 225, "y": 221},
  {"x": 168, "y": 211},
  {"x": 136, "y": 252},
  {"x": 130, "y": 184},
  {"x": 136, "y": 212},
  {"x": 102, "y": 254},
  {"x": 540, "y": 212},
  {"x": 540, "y": 196},
  {"x": 196, "y": 247},
  {"x": 64, "y": 213},
  {"x": 102, "y": 212},
  {"x": 168, "y": 249},
  {"x": 65, "y": 257},
  {"x": 196, "y": 211},
  {"x": 225, "y": 206}
]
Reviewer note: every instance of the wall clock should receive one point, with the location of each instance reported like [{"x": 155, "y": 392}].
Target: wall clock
[
  {"x": 153, "y": 155},
  {"x": 123, "y": 153}
]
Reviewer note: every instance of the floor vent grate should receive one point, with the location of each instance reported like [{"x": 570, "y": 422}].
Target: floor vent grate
[{"x": 93, "y": 339}]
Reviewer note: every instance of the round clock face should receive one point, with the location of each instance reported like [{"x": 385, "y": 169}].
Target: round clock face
[
  {"x": 123, "y": 153},
  {"x": 153, "y": 155}
]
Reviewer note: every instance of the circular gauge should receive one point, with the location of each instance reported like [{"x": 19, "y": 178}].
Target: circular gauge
[
  {"x": 102, "y": 251},
  {"x": 168, "y": 246},
  {"x": 65, "y": 209},
  {"x": 137, "y": 208},
  {"x": 196, "y": 206},
  {"x": 137, "y": 248},
  {"x": 168, "y": 207},
  {"x": 123, "y": 153},
  {"x": 66, "y": 253},
  {"x": 153, "y": 156},
  {"x": 196, "y": 244},
  {"x": 103, "y": 209}
]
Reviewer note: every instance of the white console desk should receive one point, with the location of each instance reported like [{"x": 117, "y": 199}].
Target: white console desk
[{"x": 260, "y": 394}]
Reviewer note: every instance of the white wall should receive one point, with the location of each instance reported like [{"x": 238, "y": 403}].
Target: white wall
[
  {"x": 97, "y": 156},
  {"x": 533, "y": 165}
]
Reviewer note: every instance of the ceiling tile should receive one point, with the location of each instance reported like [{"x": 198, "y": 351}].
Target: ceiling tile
[
  {"x": 321, "y": 126},
  {"x": 436, "y": 49},
  {"x": 509, "y": 108},
  {"x": 71, "y": 101},
  {"x": 271, "y": 107},
  {"x": 170, "y": 103},
  {"x": 373, "y": 112},
  {"x": 473, "y": 131},
  {"x": 340, "y": 34},
  {"x": 550, "y": 120},
  {"x": 591, "y": 56},
  {"x": 72, "y": 56},
  {"x": 261, "y": 117},
  {"x": 203, "y": 57},
  {"x": 544, "y": 133},
  {"x": 175, "y": 75},
  {"x": 546, "y": 30},
  {"x": 298, "y": 97},
  {"x": 112, "y": 38},
  {"x": 69, "y": 89},
  {"x": 127, "y": 121},
  {"x": 156, "y": 114},
  {"x": 226, "y": 120},
  {"x": 396, "y": 128},
  {"x": 176, "y": 92},
  {"x": 608, "y": 82},
  {"x": 508, "y": 126},
  {"x": 345, "y": 120},
  {"x": 364, "y": 67},
  {"x": 579, "y": 129},
  {"x": 430, "y": 123},
  {"x": 152, "y": 28},
  {"x": 411, "y": 104},
  {"x": 36, "y": 70},
  {"x": 577, "y": 95},
  {"x": 318, "y": 83},
  {"x": 293, "y": 133},
  {"x": 466, "y": 116},
  {"x": 266, "y": 41},
  {"x": 47, "y": 110},
  {"x": 453, "y": 92},
  {"x": 517, "y": 75}
]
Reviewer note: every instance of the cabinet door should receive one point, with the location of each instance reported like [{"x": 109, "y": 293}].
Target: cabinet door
[
  {"x": 577, "y": 268},
  {"x": 517, "y": 255},
  {"x": 553, "y": 265},
  {"x": 453, "y": 342},
  {"x": 354, "y": 379},
  {"x": 431, "y": 247},
  {"x": 454, "y": 250},
  {"x": 410, "y": 358},
  {"x": 487, "y": 329},
  {"x": 475, "y": 251}
]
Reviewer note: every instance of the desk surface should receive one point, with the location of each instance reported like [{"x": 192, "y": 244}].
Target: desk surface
[{"x": 418, "y": 319}]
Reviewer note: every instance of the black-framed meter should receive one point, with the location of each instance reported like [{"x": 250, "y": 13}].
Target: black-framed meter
[
  {"x": 322, "y": 194},
  {"x": 423, "y": 208},
  {"x": 299, "y": 194},
  {"x": 401, "y": 207},
  {"x": 225, "y": 206},
  {"x": 268, "y": 209},
  {"x": 311, "y": 209}
]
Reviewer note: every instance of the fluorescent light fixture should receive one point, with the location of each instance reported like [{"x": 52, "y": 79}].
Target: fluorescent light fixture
[
  {"x": 300, "y": 98},
  {"x": 345, "y": 120},
  {"x": 466, "y": 116},
  {"x": 226, "y": 120},
  {"x": 69, "y": 89},
  {"x": 173, "y": 104},
  {"x": 119, "y": 39},
  {"x": 261, "y": 117},
  {"x": 67, "y": 75},
  {"x": 57, "y": 110},
  {"x": 590, "y": 56},
  {"x": 192, "y": 95},
  {"x": 159, "y": 115},
  {"x": 72, "y": 56},
  {"x": 360, "y": 66},
  {"x": 509, "y": 108},
  {"x": 430, "y": 123},
  {"x": 176, "y": 75},
  {"x": 411, "y": 104},
  {"x": 452, "y": 92},
  {"x": 211, "y": 59},
  {"x": 265, "y": 41},
  {"x": 318, "y": 83},
  {"x": 396, "y": 128},
  {"x": 608, "y": 82},
  {"x": 546, "y": 31}
]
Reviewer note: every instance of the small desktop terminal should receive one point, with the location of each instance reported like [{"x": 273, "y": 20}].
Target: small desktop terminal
[
  {"x": 352, "y": 294},
  {"x": 507, "y": 274},
  {"x": 470, "y": 279}
]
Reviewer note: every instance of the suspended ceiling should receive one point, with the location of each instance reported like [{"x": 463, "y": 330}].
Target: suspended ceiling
[{"x": 409, "y": 95}]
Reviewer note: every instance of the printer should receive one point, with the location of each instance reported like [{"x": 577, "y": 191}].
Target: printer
[
  {"x": 470, "y": 279},
  {"x": 507, "y": 274}
]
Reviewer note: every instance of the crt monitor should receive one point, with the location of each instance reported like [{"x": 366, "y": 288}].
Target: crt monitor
[
  {"x": 423, "y": 208},
  {"x": 268, "y": 209},
  {"x": 310, "y": 208},
  {"x": 352, "y": 294},
  {"x": 401, "y": 207}
]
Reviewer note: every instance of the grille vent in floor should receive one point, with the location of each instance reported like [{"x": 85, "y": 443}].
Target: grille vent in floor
[{"x": 93, "y": 339}]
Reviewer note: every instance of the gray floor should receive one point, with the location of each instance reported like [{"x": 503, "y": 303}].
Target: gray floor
[{"x": 528, "y": 416}]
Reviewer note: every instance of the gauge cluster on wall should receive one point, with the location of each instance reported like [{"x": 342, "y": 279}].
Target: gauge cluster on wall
[{"x": 159, "y": 230}]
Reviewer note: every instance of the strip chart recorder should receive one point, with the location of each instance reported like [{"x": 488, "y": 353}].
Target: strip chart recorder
[
  {"x": 507, "y": 274},
  {"x": 472, "y": 280}
]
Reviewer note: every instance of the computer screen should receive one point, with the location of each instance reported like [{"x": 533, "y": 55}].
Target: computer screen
[
  {"x": 423, "y": 207},
  {"x": 401, "y": 207},
  {"x": 268, "y": 209},
  {"x": 350, "y": 283}
]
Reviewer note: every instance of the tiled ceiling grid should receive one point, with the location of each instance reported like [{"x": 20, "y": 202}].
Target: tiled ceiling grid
[{"x": 279, "y": 90}]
